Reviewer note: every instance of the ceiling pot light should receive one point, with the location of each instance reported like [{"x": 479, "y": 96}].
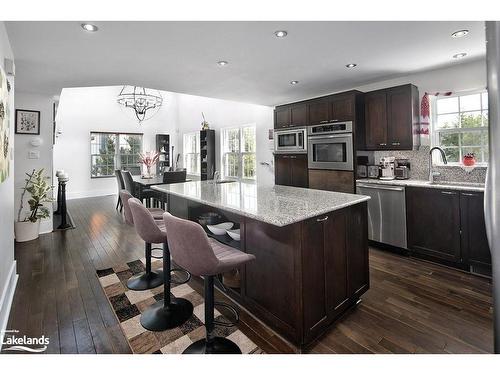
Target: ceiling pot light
[
  {"x": 459, "y": 33},
  {"x": 280, "y": 33},
  {"x": 459, "y": 55},
  {"x": 294, "y": 82},
  {"x": 89, "y": 27},
  {"x": 351, "y": 65},
  {"x": 222, "y": 63}
]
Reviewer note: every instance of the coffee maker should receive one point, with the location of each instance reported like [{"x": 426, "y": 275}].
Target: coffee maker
[{"x": 387, "y": 168}]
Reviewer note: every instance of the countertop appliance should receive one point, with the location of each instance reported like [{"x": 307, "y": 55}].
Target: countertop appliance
[
  {"x": 386, "y": 213},
  {"x": 373, "y": 171},
  {"x": 402, "y": 169},
  {"x": 330, "y": 146},
  {"x": 362, "y": 166},
  {"x": 290, "y": 141},
  {"x": 387, "y": 168}
]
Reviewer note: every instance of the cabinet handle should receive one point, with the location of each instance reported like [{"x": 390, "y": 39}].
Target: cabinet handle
[
  {"x": 323, "y": 122},
  {"x": 322, "y": 219},
  {"x": 382, "y": 144},
  {"x": 448, "y": 193},
  {"x": 285, "y": 156},
  {"x": 396, "y": 143},
  {"x": 334, "y": 120},
  {"x": 470, "y": 194},
  {"x": 293, "y": 157}
]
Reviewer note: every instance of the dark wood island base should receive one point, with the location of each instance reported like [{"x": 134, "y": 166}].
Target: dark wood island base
[{"x": 306, "y": 274}]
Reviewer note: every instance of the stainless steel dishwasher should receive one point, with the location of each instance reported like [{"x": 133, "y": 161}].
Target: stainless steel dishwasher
[{"x": 386, "y": 213}]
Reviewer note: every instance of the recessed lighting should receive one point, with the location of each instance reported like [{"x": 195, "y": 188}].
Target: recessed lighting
[
  {"x": 459, "y": 33},
  {"x": 294, "y": 82},
  {"x": 280, "y": 33},
  {"x": 459, "y": 55},
  {"x": 222, "y": 63},
  {"x": 351, "y": 65},
  {"x": 89, "y": 27}
]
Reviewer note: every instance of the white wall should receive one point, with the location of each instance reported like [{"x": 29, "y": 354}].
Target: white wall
[
  {"x": 82, "y": 110},
  {"x": 8, "y": 275},
  {"x": 222, "y": 114},
  {"x": 42, "y": 103}
]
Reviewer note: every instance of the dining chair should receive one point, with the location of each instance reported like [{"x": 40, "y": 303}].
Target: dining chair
[
  {"x": 173, "y": 177},
  {"x": 121, "y": 186}
]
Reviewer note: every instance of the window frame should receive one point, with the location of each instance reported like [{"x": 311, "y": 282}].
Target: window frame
[
  {"x": 240, "y": 154},
  {"x": 116, "y": 155},
  {"x": 435, "y": 131},
  {"x": 197, "y": 152}
]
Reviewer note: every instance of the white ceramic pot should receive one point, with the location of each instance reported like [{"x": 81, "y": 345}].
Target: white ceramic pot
[{"x": 26, "y": 230}]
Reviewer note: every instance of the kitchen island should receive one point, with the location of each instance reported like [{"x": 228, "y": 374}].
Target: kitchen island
[{"x": 311, "y": 249}]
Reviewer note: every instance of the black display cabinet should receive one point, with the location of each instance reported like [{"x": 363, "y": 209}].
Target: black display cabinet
[
  {"x": 207, "y": 154},
  {"x": 163, "y": 147}
]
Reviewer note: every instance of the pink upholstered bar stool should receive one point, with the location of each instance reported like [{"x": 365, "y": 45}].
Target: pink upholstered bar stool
[
  {"x": 149, "y": 279},
  {"x": 171, "y": 312},
  {"x": 194, "y": 251}
]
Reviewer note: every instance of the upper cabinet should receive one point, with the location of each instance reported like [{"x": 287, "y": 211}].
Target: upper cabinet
[
  {"x": 339, "y": 107},
  {"x": 290, "y": 115},
  {"x": 392, "y": 118}
]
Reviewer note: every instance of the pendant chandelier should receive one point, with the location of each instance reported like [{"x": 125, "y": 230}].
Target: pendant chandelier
[{"x": 145, "y": 102}]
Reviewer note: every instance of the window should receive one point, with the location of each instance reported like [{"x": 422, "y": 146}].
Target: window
[
  {"x": 110, "y": 151},
  {"x": 191, "y": 151},
  {"x": 460, "y": 126},
  {"x": 238, "y": 153}
]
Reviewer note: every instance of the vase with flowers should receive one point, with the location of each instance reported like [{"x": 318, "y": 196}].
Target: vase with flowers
[
  {"x": 469, "y": 159},
  {"x": 149, "y": 159}
]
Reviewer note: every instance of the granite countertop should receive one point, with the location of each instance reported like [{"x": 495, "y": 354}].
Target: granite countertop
[
  {"x": 451, "y": 185},
  {"x": 274, "y": 204}
]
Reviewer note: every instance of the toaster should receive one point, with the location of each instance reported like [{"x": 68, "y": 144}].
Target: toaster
[{"x": 373, "y": 171}]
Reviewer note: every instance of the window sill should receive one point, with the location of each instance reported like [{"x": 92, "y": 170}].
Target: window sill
[{"x": 459, "y": 165}]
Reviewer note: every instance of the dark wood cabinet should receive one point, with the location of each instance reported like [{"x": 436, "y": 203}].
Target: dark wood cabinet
[
  {"x": 475, "y": 248},
  {"x": 319, "y": 111},
  {"x": 329, "y": 245},
  {"x": 207, "y": 154},
  {"x": 391, "y": 118},
  {"x": 290, "y": 116},
  {"x": 282, "y": 117},
  {"x": 291, "y": 170},
  {"x": 342, "y": 108},
  {"x": 322, "y": 179},
  {"x": 433, "y": 223}
]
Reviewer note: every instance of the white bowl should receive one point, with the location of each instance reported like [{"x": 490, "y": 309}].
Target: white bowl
[
  {"x": 220, "y": 229},
  {"x": 234, "y": 234}
]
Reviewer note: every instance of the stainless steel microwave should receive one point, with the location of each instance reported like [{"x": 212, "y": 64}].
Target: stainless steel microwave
[{"x": 290, "y": 141}]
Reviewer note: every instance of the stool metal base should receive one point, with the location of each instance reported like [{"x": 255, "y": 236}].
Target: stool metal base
[
  {"x": 145, "y": 281},
  {"x": 160, "y": 318},
  {"x": 218, "y": 345}
]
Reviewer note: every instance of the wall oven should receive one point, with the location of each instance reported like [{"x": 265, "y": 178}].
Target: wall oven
[
  {"x": 330, "y": 146},
  {"x": 290, "y": 141}
]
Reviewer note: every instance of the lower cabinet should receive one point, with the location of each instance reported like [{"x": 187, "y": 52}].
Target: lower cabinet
[
  {"x": 447, "y": 225},
  {"x": 334, "y": 243},
  {"x": 341, "y": 181},
  {"x": 291, "y": 170}
]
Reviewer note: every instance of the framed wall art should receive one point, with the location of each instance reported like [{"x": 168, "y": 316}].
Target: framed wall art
[
  {"x": 4, "y": 127},
  {"x": 27, "y": 122}
]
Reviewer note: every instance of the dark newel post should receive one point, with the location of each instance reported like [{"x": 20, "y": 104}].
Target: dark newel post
[{"x": 64, "y": 223}]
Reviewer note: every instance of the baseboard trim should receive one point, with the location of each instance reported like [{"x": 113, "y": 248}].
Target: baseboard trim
[
  {"x": 89, "y": 194},
  {"x": 6, "y": 300}
]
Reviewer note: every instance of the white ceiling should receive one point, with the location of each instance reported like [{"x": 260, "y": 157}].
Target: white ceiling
[{"x": 182, "y": 56}]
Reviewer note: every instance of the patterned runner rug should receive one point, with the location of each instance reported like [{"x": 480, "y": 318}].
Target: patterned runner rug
[{"x": 129, "y": 304}]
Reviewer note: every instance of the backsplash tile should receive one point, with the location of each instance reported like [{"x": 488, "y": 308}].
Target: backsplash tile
[{"x": 419, "y": 160}]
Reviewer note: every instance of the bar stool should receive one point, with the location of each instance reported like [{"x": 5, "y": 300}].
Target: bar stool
[
  {"x": 194, "y": 251},
  {"x": 149, "y": 279},
  {"x": 171, "y": 312}
]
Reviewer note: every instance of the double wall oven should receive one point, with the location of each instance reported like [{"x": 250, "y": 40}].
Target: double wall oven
[{"x": 330, "y": 146}]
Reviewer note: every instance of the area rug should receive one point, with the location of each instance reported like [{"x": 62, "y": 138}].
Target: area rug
[{"x": 129, "y": 304}]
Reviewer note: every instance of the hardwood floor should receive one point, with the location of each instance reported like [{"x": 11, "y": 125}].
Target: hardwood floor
[{"x": 412, "y": 306}]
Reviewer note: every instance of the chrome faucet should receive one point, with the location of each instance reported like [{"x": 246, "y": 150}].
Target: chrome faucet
[
  {"x": 431, "y": 173},
  {"x": 216, "y": 178}
]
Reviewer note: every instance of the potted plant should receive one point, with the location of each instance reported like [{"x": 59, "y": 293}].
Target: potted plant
[{"x": 37, "y": 186}]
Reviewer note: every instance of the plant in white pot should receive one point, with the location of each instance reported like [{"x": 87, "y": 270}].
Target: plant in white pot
[{"x": 37, "y": 186}]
